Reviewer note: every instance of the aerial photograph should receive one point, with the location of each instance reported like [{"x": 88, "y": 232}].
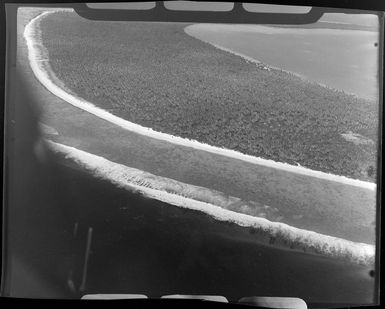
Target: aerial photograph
[{"x": 222, "y": 159}]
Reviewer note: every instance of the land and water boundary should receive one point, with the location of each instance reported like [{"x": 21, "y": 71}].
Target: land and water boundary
[
  {"x": 43, "y": 62},
  {"x": 186, "y": 88}
]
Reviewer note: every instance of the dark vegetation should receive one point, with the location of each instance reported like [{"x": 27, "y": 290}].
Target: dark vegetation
[{"x": 155, "y": 75}]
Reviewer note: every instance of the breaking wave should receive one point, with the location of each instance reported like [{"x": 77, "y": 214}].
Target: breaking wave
[
  {"x": 213, "y": 203},
  {"x": 43, "y": 72},
  {"x": 210, "y": 202}
]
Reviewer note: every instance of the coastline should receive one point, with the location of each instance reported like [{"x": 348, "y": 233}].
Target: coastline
[
  {"x": 189, "y": 31},
  {"x": 321, "y": 244},
  {"x": 270, "y": 233},
  {"x": 42, "y": 72}
]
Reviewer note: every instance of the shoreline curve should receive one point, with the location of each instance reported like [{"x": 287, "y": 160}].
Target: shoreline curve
[
  {"x": 42, "y": 72},
  {"x": 267, "y": 66},
  {"x": 271, "y": 233}
]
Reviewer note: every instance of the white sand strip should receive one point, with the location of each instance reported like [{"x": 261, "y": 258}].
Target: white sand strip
[
  {"x": 43, "y": 72},
  {"x": 284, "y": 235}
]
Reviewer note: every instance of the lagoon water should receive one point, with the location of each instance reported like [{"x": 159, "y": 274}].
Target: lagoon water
[{"x": 342, "y": 59}]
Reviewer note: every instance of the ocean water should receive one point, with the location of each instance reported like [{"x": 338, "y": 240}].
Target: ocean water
[{"x": 342, "y": 59}]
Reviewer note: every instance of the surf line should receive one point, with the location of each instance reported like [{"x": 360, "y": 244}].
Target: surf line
[
  {"x": 272, "y": 233},
  {"x": 42, "y": 71}
]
